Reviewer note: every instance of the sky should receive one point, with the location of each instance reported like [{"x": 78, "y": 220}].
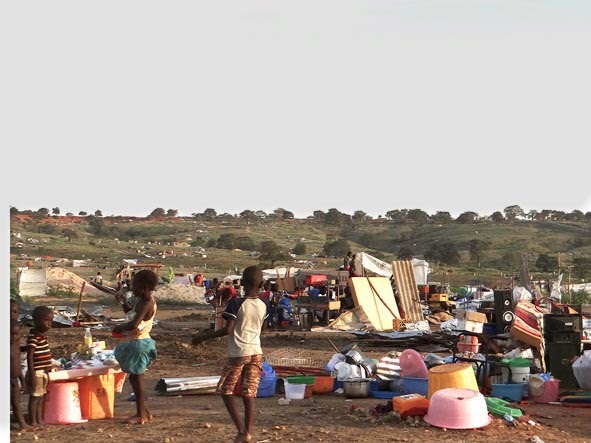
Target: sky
[
  {"x": 309, "y": 105},
  {"x": 371, "y": 105}
]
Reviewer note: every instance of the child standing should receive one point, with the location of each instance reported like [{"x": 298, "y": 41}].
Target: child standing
[
  {"x": 137, "y": 349},
  {"x": 38, "y": 364},
  {"x": 17, "y": 379},
  {"x": 245, "y": 319}
]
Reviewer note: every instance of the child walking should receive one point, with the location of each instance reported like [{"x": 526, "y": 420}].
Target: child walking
[
  {"x": 137, "y": 350},
  {"x": 38, "y": 364},
  {"x": 245, "y": 319},
  {"x": 17, "y": 379}
]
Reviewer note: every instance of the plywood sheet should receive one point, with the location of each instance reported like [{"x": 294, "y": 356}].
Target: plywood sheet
[
  {"x": 407, "y": 290},
  {"x": 375, "y": 296}
]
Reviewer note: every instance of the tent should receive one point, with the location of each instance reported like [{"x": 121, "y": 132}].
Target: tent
[{"x": 374, "y": 265}]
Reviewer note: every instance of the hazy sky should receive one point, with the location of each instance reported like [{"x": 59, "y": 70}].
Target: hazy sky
[{"x": 355, "y": 105}]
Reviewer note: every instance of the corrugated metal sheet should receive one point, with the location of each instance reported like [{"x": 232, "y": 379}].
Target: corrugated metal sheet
[
  {"x": 408, "y": 290},
  {"x": 32, "y": 282}
]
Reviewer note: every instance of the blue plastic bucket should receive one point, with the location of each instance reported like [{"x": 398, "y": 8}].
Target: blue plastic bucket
[
  {"x": 414, "y": 385},
  {"x": 509, "y": 391}
]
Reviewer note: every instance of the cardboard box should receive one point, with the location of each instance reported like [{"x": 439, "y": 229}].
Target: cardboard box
[
  {"x": 287, "y": 284},
  {"x": 471, "y": 326},
  {"x": 472, "y": 316}
]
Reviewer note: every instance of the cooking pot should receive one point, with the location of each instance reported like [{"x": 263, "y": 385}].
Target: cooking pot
[
  {"x": 370, "y": 365},
  {"x": 357, "y": 388},
  {"x": 354, "y": 357}
]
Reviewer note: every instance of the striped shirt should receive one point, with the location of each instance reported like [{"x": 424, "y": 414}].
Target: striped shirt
[{"x": 42, "y": 356}]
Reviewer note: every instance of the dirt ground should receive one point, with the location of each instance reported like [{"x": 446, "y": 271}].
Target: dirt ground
[{"x": 326, "y": 417}]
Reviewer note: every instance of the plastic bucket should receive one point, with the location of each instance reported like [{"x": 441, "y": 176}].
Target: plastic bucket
[
  {"x": 414, "y": 385},
  {"x": 62, "y": 404},
  {"x": 294, "y": 391},
  {"x": 550, "y": 394},
  {"x": 518, "y": 374},
  {"x": 510, "y": 391},
  {"x": 452, "y": 375}
]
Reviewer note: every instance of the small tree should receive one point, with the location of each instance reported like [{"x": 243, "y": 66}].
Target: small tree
[{"x": 299, "y": 248}]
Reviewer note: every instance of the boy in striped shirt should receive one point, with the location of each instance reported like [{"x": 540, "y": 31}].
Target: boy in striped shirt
[{"x": 38, "y": 364}]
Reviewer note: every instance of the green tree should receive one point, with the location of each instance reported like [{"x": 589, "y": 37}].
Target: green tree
[
  {"x": 299, "y": 248},
  {"x": 406, "y": 253},
  {"x": 336, "y": 248},
  {"x": 271, "y": 252},
  {"x": 83, "y": 213},
  {"x": 582, "y": 267},
  {"x": 397, "y": 215},
  {"x": 245, "y": 243},
  {"x": 55, "y": 211},
  {"x": 248, "y": 216},
  {"x": 319, "y": 215},
  {"x": 69, "y": 234},
  {"x": 441, "y": 217},
  {"x": 157, "y": 213},
  {"x": 227, "y": 241},
  {"x": 418, "y": 216},
  {"x": 98, "y": 213},
  {"x": 450, "y": 255},
  {"x": 497, "y": 217},
  {"x": 512, "y": 212},
  {"x": 95, "y": 225},
  {"x": 210, "y": 214},
  {"x": 172, "y": 213},
  {"x": 478, "y": 249},
  {"x": 467, "y": 217},
  {"x": 545, "y": 263}
]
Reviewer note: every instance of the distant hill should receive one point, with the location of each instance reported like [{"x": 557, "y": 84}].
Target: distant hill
[{"x": 480, "y": 250}]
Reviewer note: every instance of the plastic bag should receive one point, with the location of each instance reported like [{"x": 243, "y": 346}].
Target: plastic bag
[{"x": 582, "y": 370}]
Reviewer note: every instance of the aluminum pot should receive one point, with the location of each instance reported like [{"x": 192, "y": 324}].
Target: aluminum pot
[
  {"x": 357, "y": 388},
  {"x": 354, "y": 357},
  {"x": 370, "y": 365}
]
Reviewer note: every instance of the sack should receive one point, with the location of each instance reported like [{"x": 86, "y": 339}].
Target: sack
[{"x": 582, "y": 370}]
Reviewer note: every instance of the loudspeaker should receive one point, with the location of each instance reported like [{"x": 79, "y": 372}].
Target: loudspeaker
[
  {"x": 559, "y": 358},
  {"x": 504, "y": 314}
]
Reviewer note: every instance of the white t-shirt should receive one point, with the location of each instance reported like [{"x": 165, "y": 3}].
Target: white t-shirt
[{"x": 249, "y": 315}]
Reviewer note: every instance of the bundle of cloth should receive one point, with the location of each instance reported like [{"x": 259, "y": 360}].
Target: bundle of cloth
[{"x": 528, "y": 325}]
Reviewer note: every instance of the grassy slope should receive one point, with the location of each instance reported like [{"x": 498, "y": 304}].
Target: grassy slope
[{"x": 381, "y": 237}]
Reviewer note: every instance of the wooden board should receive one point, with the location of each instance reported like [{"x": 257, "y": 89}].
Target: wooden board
[
  {"x": 408, "y": 290},
  {"x": 375, "y": 296}
]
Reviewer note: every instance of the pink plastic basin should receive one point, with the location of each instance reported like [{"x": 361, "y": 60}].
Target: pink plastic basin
[{"x": 457, "y": 408}]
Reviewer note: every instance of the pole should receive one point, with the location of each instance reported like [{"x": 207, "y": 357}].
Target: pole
[{"x": 77, "y": 322}]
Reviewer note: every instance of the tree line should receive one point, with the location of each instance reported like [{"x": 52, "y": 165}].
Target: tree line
[{"x": 333, "y": 216}]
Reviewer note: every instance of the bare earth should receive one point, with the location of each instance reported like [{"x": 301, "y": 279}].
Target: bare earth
[{"x": 327, "y": 417}]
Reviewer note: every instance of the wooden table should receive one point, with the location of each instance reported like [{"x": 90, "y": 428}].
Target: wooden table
[{"x": 317, "y": 304}]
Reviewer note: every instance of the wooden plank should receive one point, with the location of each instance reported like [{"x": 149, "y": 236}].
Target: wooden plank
[
  {"x": 379, "y": 305},
  {"x": 407, "y": 290}
]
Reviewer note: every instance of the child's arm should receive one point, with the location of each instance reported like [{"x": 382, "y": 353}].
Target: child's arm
[
  {"x": 201, "y": 337},
  {"x": 30, "y": 364}
]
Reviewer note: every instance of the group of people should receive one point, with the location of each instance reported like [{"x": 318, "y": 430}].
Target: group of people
[{"x": 245, "y": 318}]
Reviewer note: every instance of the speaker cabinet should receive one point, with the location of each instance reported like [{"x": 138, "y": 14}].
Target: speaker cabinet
[
  {"x": 559, "y": 360},
  {"x": 504, "y": 313}
]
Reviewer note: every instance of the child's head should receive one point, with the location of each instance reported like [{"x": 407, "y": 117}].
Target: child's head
[
  {"x": 15, "y": 331},
  {"x": 42, "y": 318},
  {"x": 144, "y": 282},
  {"x": 252, "y": 277},
  {"x": 14, "y": 311}
]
